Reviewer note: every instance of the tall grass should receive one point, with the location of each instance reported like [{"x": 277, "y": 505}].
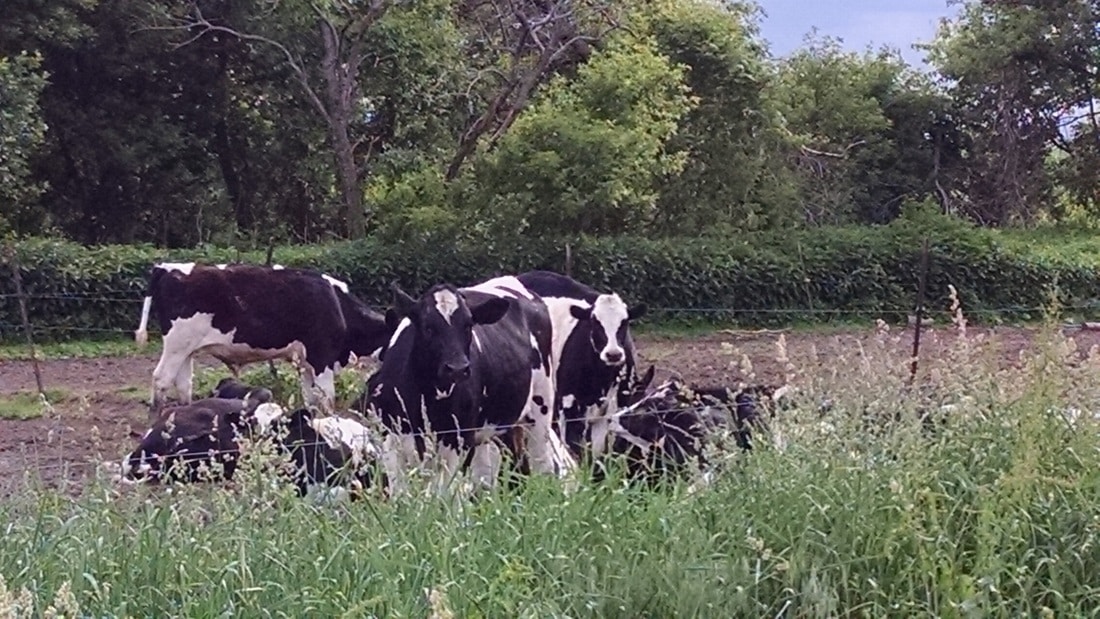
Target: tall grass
[{"x": 991, "y": 510}]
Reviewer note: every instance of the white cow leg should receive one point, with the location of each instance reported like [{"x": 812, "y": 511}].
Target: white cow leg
[
  {"x": 448, "y": 464},
  {"x": 184, "y": 380},
  {"x": 174, "y": 356},
  {"x": 397, "y": 453},
  {"x": 485, "y": 467}
]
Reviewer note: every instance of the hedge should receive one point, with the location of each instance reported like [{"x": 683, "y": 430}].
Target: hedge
[{"x": 754, "y": 280}]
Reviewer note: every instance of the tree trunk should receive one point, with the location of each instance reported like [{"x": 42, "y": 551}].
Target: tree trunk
[
  {"x": 341, "y": 80},
  {"x": 238, "y": 196},
  {"x": 355, "y": 222}
]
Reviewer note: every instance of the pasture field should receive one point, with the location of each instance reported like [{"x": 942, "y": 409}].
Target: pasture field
[{"x": 992, "y": 510}]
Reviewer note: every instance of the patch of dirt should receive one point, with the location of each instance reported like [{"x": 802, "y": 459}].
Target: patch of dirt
[{"x": 106, "y": 397}]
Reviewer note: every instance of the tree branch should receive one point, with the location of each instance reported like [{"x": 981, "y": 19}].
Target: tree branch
[{"x": 206, "y": 27}]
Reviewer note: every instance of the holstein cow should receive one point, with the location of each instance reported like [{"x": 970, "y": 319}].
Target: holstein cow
[
  {"x": 472, "y": 363},
  {"x": 594, "y": 353},
  {"x": 736, "y": 409},
  {"x": 190, "y": 441},
  {"x": 244, "y": 313}
]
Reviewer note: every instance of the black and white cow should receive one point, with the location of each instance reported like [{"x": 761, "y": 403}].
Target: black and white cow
[
  {"x": 197, "y": 441},
  {"x": 468, "y": 364},
  {"x": 244, "y": 313},
  {"x": 594, "y": 353},
  {"x": 203, "y": 441}
]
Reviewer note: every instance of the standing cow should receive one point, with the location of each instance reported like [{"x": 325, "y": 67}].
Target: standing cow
[
  {"x": 245, "y": 313},
  {"x": 594, "y": 353},
  {"x": 473, "y": 363}
]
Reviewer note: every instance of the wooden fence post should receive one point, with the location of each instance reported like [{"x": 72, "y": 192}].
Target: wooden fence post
[
  {"x": 17, "y": 279},
  {"x": 919, "y": 310}
]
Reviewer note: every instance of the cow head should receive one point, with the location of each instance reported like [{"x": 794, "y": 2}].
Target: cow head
[
  {"x": 609, "y": 319},
  {"x": 660, "y": 433},
  {"x": 443, "y": 321}
]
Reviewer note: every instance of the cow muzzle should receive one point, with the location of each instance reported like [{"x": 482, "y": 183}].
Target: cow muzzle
[
  {"x": 613, "y": 356},
  {"x": 454, "y": 372}
]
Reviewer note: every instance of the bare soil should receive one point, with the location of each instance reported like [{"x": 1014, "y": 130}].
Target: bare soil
[{"x": 105, "y": 398}]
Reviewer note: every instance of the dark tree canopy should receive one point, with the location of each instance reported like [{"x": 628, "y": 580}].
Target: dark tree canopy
[{"x": 242, "y": 123}]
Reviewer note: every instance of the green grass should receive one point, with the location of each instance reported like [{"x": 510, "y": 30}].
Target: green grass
[
  {"x": 28, "y": 405},
  {"x": 77, "y": 349},
  {"x": 995, "y": 514}
]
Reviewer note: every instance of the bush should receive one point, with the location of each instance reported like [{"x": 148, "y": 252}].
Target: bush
[{"x": 763, "y": 278}]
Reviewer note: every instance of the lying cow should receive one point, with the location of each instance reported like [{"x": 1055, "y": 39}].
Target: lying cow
[
  {"x": 663, "y": 429},
  {"x": 245, "y": 313},
  {"x": 203, "y": 441},
  {"x": 186, "y": 441}
]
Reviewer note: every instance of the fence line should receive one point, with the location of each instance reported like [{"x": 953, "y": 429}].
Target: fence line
[
  {"x": 138, "y": 300},
  {"x": 428, "y": 434}
]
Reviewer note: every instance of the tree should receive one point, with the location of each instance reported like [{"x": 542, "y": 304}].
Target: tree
[
  {"x": 734, "y": 176},
  {"x": 587, "y": 156},
  {"x": 22, "y": 132},
  {"x": 866, "y": 132},
  {"x": 515, "y": 46},
  {"x": 326, "y": 66},
  {"x": 1019, "y": 71}
]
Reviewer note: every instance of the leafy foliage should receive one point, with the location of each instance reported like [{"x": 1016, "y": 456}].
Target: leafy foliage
[
  {"x": 762, "y": 278},
  {"x": 22, "y": 132}
]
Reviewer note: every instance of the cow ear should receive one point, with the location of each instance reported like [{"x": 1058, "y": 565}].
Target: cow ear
[
  {"x": 636, "y": 312},
  {"x": 647, "y": 379},
  {"x": 579, "y": 312},
  {"x": 490, "y": 311},
  {"x": 402, "y": 301}
]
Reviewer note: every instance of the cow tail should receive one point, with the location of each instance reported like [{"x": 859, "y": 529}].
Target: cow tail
[{"x": 141, "y": 336}]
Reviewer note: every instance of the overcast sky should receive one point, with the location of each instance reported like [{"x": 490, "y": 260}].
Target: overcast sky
[{"x": 897, "y": 23}]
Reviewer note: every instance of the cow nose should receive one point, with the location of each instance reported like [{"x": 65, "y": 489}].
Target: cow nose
[
  {"x": 458, "y": 371},
  {"x": 613, "y": 356}
]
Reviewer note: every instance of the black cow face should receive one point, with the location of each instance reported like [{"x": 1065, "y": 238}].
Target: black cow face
[
  {"x": 609, "y": 319},
  {"x": 443, "y": 321}
]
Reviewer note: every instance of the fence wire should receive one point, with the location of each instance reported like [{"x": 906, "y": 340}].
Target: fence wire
[{"x": 369, "y": 437}]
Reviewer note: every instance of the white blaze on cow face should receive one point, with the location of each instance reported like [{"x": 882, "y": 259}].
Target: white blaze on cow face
[
  {"x": 446, "y": 303},
  {"x": 609, "y": 313}
]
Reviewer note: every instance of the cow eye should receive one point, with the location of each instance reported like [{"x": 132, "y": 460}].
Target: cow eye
[{"x": 429, "y": 332}]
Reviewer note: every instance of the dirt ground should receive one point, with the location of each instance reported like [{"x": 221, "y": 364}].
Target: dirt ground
[{"x": 102, "y": 400}]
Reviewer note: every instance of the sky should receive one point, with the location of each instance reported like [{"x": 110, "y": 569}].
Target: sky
[{"x": 897, "y": 23}]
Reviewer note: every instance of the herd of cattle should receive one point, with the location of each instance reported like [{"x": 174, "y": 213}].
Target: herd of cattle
[{"x": 536, "y": 364}]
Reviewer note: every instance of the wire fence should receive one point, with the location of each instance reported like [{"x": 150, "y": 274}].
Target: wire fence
[
  {"x": 638, "y": 410},
  {"x": 85, "y": 305}
]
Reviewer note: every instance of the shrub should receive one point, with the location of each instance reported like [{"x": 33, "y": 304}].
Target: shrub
[{"x": 761, "y": 278}]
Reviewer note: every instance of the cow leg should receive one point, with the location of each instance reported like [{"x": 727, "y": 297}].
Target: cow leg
[
  {"x": 486, "y": 464},
  {"x": 541, "y": 450},
  {"x": 449, "y": 461},
  {"x": 183, "y": 379},
  {"x": 171, "y": 363},
  {"x": 398, "y": 452}
]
